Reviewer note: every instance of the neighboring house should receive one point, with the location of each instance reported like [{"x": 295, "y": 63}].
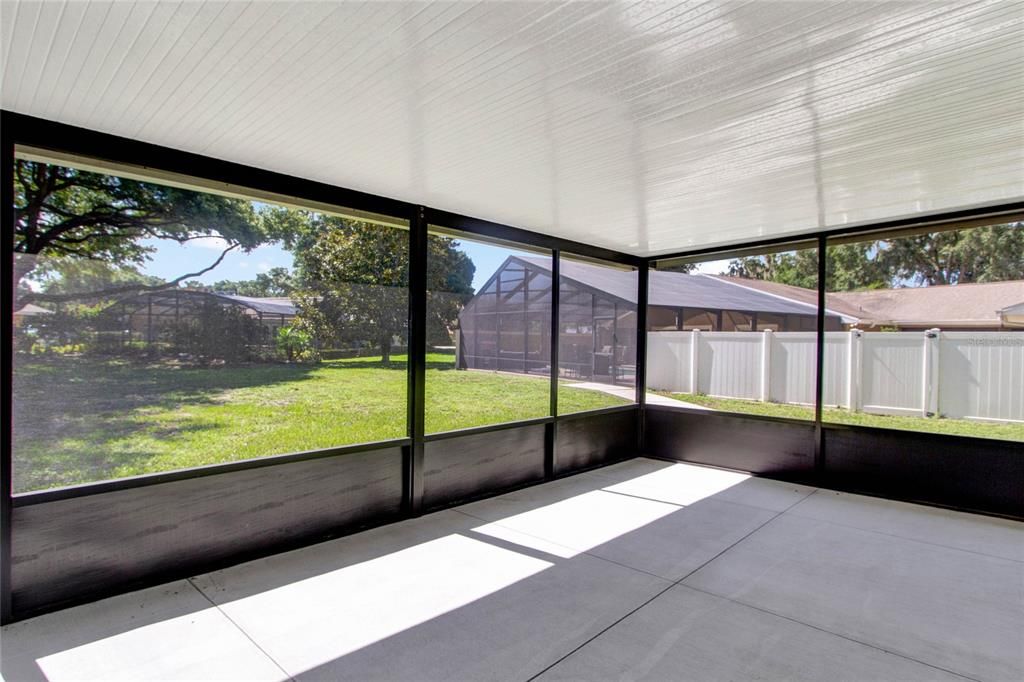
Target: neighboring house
[
  {"x": 991, "y": 306},
  {"x": 957, "y": 307},
  {"x": 506, "y": 325},
  {"x": 24, "y": 315}
]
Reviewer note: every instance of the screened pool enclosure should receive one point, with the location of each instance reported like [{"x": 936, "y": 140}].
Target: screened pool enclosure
[{"x": 506, "y": 327}]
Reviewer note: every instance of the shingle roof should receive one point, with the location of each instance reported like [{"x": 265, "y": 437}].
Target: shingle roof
[
  {"x": 677, "y": 289},
  {"x": 960, "y": 305},
  {"x": 31, "y": 309},
  {"x": 939, "y": 306},
  {"x": 808, "y": 296}
]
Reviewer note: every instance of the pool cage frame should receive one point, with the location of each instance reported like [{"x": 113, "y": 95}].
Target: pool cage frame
[
  {"x": 82, "y": 543},
  {"x": 502, "y": 328}
]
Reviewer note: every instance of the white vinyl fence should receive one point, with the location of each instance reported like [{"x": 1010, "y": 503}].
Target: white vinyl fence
[{"x": 969, "y": 375}]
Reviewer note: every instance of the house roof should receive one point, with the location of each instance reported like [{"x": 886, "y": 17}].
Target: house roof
[
  {"x": 279, "y": 305},
  {"x": 31, "y": 310},
  {"x": 795, "y": 293},
  {"x": 943, "y": 306},
  {"x": 677, "y": 289},
  {"x": 276, "y": 305}
]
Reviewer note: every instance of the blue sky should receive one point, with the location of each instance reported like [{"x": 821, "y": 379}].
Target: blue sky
[{"x": 171, "y": 260}]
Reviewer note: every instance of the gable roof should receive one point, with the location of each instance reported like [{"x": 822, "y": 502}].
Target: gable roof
[
  {"x": 677, "y": 289},
  {"x": 31, "y": 310},
  {"x": 950, "y": 306}
]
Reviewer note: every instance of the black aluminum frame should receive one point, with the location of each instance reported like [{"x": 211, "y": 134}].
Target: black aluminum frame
[
  {"x": 17, "y": 129},
  {"x": 864, "y": 476}
]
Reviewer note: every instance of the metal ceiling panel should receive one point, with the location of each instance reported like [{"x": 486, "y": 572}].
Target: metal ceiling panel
[{"x": 648, "y": 127}]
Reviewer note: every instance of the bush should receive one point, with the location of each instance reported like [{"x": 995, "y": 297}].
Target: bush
[
  {"x": 296, "y": 344},
  {"x": 68, "y": 329}
]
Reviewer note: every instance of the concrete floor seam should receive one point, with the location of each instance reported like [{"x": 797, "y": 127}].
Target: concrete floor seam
[
  {"x": 638, "y": 608},
  {"x": 238, "y": 627},
  {"x": 827, "y": 631}
]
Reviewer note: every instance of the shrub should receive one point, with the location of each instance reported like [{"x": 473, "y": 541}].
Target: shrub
[{"x": 296, "y": 344}]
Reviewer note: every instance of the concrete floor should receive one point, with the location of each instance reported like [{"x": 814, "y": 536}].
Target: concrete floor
[{"x": 642, "y": 570}]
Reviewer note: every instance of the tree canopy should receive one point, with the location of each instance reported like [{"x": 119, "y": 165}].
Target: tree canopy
[
  {"x": 274, "y": 282},
  {"x": 984, "y": 254},
  {"x": 65, "y": 215},
  {"x": 353, "y": 280}
]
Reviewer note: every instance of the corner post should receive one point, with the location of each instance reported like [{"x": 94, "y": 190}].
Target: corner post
[
  {"x": 640, "y": 377},
  {"x": 551, "y": 433},
  {"x": 417, "y": 362}
]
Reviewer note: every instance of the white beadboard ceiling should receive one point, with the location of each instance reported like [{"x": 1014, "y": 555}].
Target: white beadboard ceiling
[{"x": 647, "y": 127}]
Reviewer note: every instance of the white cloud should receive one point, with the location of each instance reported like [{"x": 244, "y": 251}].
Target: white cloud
[{"x": 263, "y": 266}]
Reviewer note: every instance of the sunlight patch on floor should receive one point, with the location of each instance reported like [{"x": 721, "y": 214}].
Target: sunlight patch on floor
[
  {"x": 580, "y": 523},
  {"x": 322, "y": 618},
  {"x": 680, "y": 484}
]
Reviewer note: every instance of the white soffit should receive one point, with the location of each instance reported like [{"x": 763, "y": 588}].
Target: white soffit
[{"x": 646, "y": 127}]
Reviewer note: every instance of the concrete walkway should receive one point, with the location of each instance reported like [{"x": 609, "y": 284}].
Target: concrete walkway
[{"x": 628, "y": 393}]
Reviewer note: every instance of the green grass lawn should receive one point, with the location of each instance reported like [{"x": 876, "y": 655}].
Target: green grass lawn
[
  {"x": 78, "y": 420},
  {"x": 957, "y": 427}
]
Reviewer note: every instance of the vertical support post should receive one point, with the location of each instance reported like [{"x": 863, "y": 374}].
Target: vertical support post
[
  {"x": 766, "y": 365},
  {"x": 526, "y": 321},
  {"x": 930, "y": 374},
  {"x": 642, "y": 285},
  {"x": 7, "y": 312},
  {"x": 551, "y": 433},
  {"x": 412, "y": 482},
  {"x": 694, "y": 361},
  {"x": 613, "y": 361},
  {"x": 853, "y": 378},
  {"x": 642, "y": 281},
  {"x": 819, "y": 372},
  {"x": 497, "y": 322},
  {"x": 593, "y": 337}
]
